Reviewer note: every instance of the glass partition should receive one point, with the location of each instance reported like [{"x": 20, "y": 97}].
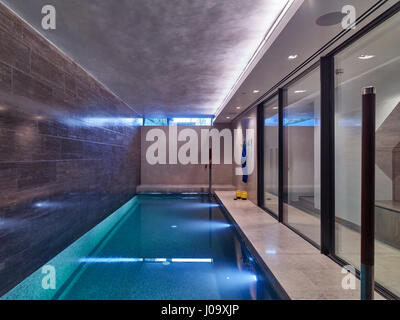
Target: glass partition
[
  {"x": 374, "y": 60},
  {"x": 271, "y": 147},
  {"x": 301, "y": 161}
]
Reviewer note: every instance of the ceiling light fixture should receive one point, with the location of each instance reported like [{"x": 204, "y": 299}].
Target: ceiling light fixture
[
  {"x": 228, "y": 117},
  {"x": 275, "y": 108},
  {"x": 238, "y": 108},
  {"x": 300, "y": 91},
  {"x": 256, "y": 91},
  {"x": 366, "y": 56},
  {"x": 293, "y": 56}
]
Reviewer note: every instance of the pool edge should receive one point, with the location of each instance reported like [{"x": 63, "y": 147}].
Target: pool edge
[{"x": 281, "y": 292}]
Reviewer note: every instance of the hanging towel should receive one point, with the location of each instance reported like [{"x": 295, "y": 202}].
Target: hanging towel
[{"x": 244, "y": 163}]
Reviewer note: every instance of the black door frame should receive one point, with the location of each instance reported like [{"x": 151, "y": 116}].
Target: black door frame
[{"x": 260, "y": 155}]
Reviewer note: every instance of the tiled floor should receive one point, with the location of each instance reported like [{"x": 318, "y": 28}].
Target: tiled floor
[{"x": 299, "y": 267}]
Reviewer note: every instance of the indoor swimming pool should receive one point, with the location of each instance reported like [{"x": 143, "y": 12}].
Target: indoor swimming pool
[{"x": 161, "y": 247}]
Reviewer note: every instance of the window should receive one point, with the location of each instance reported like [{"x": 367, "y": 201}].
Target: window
[
  {"x": 155, "y": 121},
  {"x": 191, "y": 121},
  {"x": 301, "y": 156},
  {"x": 179, "y": 121}
]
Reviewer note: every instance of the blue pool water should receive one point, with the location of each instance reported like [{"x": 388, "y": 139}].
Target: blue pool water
[{"x": 155, "y": 247}]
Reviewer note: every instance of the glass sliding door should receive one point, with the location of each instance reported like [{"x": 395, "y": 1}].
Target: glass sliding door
[
  {"x": 373, "y": 60},
  {"x": 271, "y": 156},
  {"x": 301, "y": 160}
]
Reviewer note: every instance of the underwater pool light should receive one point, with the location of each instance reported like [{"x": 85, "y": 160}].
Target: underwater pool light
[
  {"x": 206, "y": 226},
  {"x": 236, "y": 277}
]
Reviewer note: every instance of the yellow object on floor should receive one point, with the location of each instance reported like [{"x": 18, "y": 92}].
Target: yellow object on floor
[
  {"x": 244, "y": 195},
  {"x": 238, "y": 194}
]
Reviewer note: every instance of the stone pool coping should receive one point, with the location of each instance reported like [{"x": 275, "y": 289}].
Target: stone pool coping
[{"x": 300, "y": 268}]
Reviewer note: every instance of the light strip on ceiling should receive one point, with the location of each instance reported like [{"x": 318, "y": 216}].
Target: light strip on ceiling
[{"x": 258, "y": 50}]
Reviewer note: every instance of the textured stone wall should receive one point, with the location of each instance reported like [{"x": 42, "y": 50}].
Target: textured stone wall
[{"x": 69, "y": 154}]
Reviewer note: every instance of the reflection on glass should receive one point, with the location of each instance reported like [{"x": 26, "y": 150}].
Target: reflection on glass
[
  {"x": 271, "y": 146},
  {"x": 301, "y": 163},
  {"x": 374, "y": 60}
]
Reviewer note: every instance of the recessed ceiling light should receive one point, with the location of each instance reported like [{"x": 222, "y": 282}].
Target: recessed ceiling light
[
  {"x": 238, "y": 108},
  {"x": 256, "y": 91},
  {"x": 228, "y": 117},
  {"x": 366, "y": 56},
  {"x": 293, "y": 56},
  {"x": 300, "y": 91}
]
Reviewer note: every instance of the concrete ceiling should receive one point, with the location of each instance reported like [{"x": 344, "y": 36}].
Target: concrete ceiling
[{"x": 162, "y": 57}]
